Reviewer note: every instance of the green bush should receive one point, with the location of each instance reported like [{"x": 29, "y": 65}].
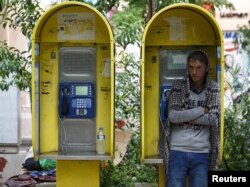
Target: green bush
[
  {"x": 237, "y": 135},
  {"x": 236, "y": 155},
  {"x": 127, "y": 104},
  {"x": 129, "y": 171}
]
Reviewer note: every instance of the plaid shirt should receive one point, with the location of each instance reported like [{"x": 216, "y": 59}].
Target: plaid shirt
[{"x": 178, "y": 100}]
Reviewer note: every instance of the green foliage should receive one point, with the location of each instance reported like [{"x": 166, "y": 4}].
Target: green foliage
[
  {"x": 2, "y": 5},
  {"x": 127, "y": 89},
  {"x": 236, "y": 155},
  {"x": 244, "y": 41},
  {"x": 23, "y": 15},
  {"x": 127, "y": 105},
  {"x": 129, "y": 170},
  {"x": 14, "y": 67},
  {"x": 105, "y": 6},
  {"x": 128, "y": 26},
  {"x": 14, "y": 64},
  {"x": 237, "y": 136}
]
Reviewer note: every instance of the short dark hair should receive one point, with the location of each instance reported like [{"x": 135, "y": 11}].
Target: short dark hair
[{"x": 198, "y": 55}]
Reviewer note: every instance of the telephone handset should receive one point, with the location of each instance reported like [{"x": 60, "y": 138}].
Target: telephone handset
[
  {"x": 76, "y": 100},
  {"x": 65, "y": 104},
  {"x": 164, "y": 94}
]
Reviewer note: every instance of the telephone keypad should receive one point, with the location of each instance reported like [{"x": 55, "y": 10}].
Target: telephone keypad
[{"x": 83, "y": 103}]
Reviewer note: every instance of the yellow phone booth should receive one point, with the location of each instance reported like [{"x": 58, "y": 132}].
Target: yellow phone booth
[
  {"x": 73, "y": 91},
  {"x": 169, "y": 37}
]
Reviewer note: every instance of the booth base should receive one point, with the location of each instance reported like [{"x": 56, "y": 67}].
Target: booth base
[{"x": 78, "y": 173}]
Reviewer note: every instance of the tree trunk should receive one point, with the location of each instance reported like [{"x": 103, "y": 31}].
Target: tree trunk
[{"x": 150, "y": 9}]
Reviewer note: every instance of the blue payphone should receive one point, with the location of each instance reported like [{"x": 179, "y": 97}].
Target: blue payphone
[
  {"x": 164, "y": 93},
  {"x": 76, "y": 100}
]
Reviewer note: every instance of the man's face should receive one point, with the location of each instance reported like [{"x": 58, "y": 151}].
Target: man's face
[{"x": 197, "y": 71}]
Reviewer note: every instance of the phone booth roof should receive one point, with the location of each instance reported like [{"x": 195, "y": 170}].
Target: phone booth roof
[
  {"x": 48, "y": 25},
  {"x": 182, "y": 24}
]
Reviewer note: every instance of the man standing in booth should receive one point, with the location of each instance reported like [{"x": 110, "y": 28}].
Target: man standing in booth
[{"x": 194, "y": 125}]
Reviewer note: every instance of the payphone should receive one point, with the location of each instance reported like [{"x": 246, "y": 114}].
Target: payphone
[{"x": 76, "y": 100}]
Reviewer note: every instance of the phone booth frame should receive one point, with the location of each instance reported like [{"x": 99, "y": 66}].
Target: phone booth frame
[
  {"x": 178, "y": 27},
  {"x": 91, "y": 32}
]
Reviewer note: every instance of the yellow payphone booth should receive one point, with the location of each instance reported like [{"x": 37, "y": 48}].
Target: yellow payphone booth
[
  {"x": 170, "y": 35},
  {"x": 73, "y": 91}
]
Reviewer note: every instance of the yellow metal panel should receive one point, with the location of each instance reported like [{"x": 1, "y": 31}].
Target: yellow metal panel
[
  {"x": 48, "y": 97},
  {"x": 77, "y": 173},
  {"x": 142, "y": 79},
  {"x": 112, "y": 109},
  {"x": 103, "y": 95},
  {"x": 152, "y": 102},
  {"x": 161, "y": 175}
]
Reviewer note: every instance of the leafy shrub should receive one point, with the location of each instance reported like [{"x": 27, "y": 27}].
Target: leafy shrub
[
  {"x": 237, "y": 135},
  {"x": 127, "y": 104},
  {"x": 236, "y": 154}
]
